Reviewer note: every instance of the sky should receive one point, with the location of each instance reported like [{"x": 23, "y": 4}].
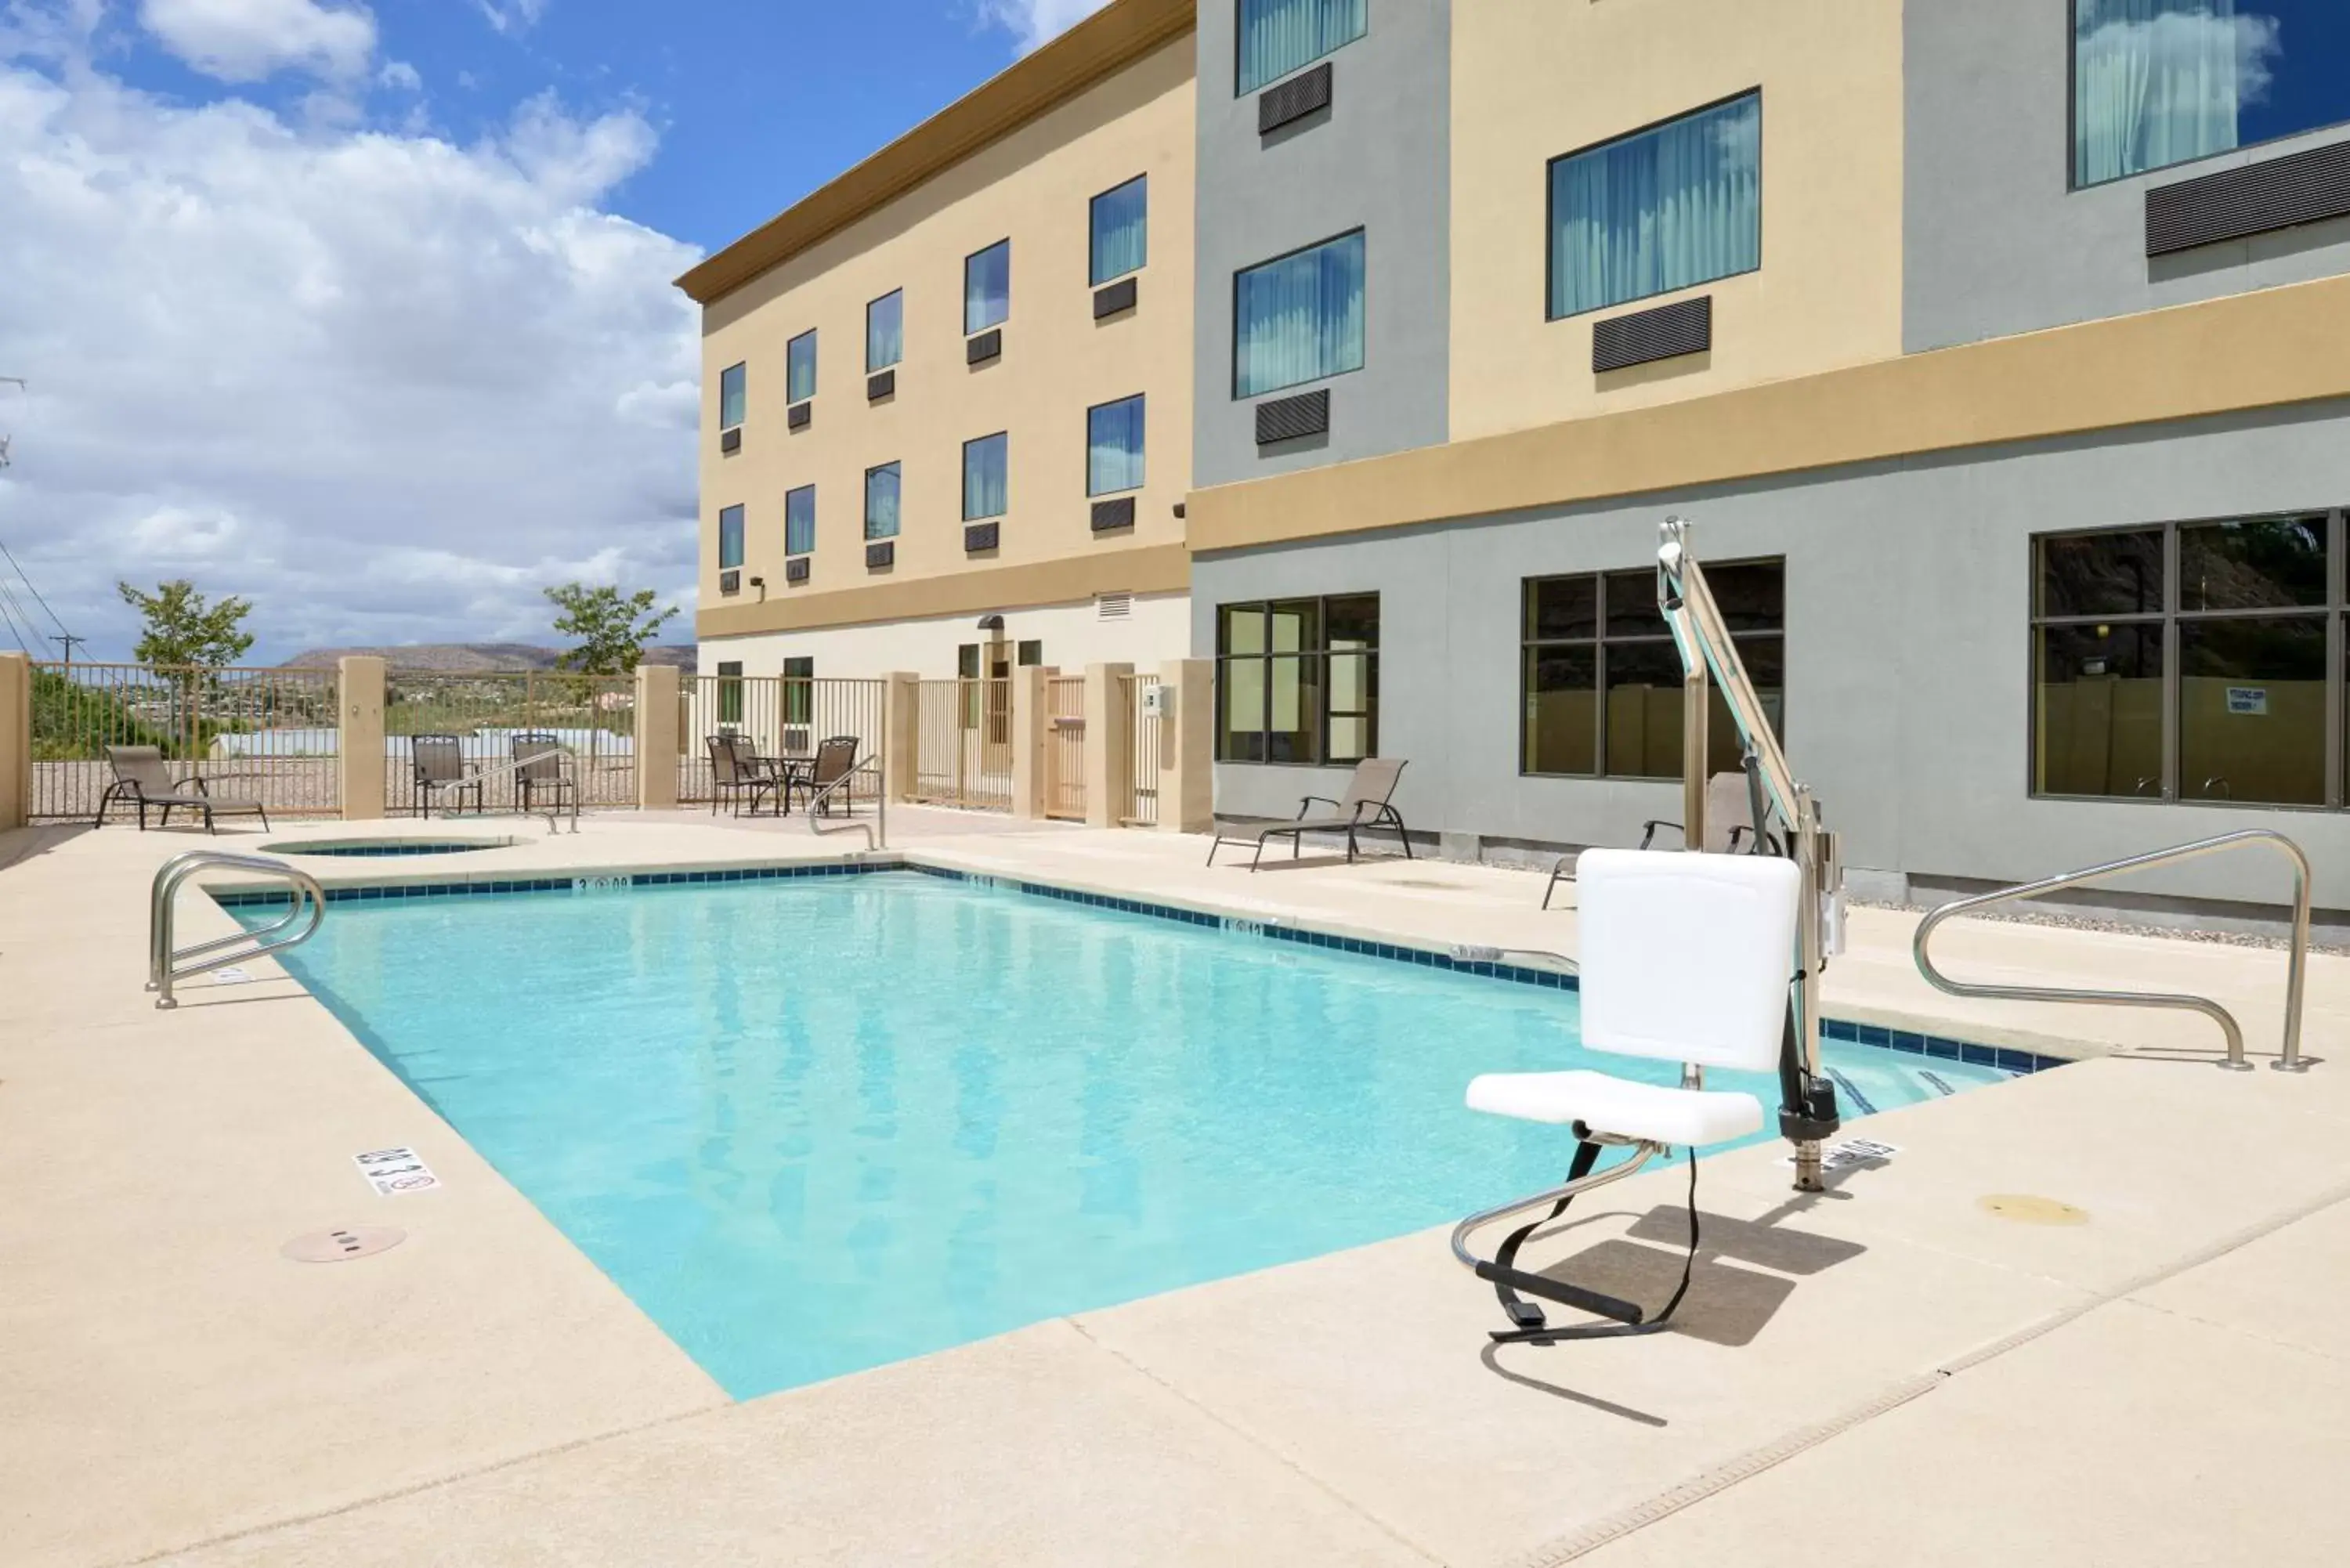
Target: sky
[{"x": 365, "y": 312}]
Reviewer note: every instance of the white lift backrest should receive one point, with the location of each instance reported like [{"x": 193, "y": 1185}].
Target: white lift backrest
[{"x": 1686, "y": 956}]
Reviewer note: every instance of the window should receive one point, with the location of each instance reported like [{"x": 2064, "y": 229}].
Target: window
[
  {"x": 730, "y": 537},
  {"x": 1661, "y": 208},
  {"x": 799, "y": 690},
  {"x": 987, "y": 287},
  {"x": 1276, "y": 36},
  {"x": 1121, "y": 230},
  {"x": 885, "y": 331},
  {"x": 984, "y": 477},
  {"x": 1114, "y": 447},
  {"x": 799, "y": 370},
  {"x": 881, "y": 502},
  {"x": 1298, "y": 317},
  {"x": 730, "y": 692},
  {"x": 1601, "y": 680},
  {"x": 732, "y": 393},
  {"x": 2158, "y": 82},
  {"x": 799, "y": 521},
  {"x": 1032, "y": 653},
  {"x": 2188, "y": 662},
  {"x": 1297, "y": 681}
]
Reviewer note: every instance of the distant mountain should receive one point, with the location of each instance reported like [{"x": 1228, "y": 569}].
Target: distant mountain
[{"x": 472, "y": 658}]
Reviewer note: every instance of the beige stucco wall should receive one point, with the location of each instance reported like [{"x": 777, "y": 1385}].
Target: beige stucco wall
[
  {"x": 1157, "y": 626},
  {"x": 1034, "y": 186},
  {"x": 1535, "y": 79}
]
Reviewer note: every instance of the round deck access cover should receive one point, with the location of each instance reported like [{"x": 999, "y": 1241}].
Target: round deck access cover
[{"x": 342, "y": 1246}]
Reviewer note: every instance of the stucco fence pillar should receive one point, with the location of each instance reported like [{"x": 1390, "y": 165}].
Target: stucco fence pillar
[
  {"x": 1109, "y": 744},
  {"x": 1030, "y": 719},
  {"x": 359, "y": 698},
  {"x": 654, "y": 736},
  {"x": 1187, "y": 741},
  {"x": 901, "y": 734},
  {"x": 15, "y": 740}
]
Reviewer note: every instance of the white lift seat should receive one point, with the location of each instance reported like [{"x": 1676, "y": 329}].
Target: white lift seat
[{"x": 1649, "y": 1111}]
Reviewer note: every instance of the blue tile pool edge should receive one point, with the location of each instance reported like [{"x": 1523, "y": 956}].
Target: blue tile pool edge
[{"x": 2002, "y": 1057}]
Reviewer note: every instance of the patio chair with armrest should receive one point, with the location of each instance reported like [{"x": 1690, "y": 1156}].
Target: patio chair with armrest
[
  {"x": 142, "y": 774},
  {"x": 1728, "y": 819},
  {"x": 538, "y": 771},
  {"x": 1368, "y": 802},
  {"x": 439, "y": 762},
  {"x": 836, "y": 758},
  {"x": 737, "y": 770}
]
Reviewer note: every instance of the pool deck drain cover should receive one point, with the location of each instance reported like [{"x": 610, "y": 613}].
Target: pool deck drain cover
[
  {"x": 2029, "y": 1210},
  {"x": 342, "y": 1246}
]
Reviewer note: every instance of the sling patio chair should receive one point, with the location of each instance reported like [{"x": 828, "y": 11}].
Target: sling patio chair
[
  {"x": 836, "y": 758},
  {"x": 437, "y": 762},
  {"x": 142, "y": 774},
  {"x": 1368, "y": 803},
  {"x": 736, "y": 768},
  {"x": 539, "y": 770},
  {"x": 1729, "y": 817}
]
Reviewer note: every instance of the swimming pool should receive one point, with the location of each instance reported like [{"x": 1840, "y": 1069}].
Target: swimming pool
[{"x": 815, "y": 1124}]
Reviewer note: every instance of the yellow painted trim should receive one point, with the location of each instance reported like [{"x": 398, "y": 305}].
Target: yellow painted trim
[
  {"x": 2277, "y": 345},
  {"x": 1157, "y": 570},
  {"x": 1105, "y": 43}
]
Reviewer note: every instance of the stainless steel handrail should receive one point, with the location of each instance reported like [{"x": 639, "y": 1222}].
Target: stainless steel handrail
[
  {"x": 479, "y": 775},
  {"x": 167, "y": 964},
  {"x": 872, "y": 765},
  {"x": 2297, "y": 970}
]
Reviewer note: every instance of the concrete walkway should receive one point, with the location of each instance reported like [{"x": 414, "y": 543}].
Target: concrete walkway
[{"x": 1896, "y": 1368}]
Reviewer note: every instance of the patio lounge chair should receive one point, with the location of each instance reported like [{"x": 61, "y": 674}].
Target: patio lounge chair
[
  {"x": 538, "y": 771},
  {"x": 736, "y": 768},
  {"x": 142, "y": 774},
  {"x": 836, "y": 756},
  {"x": 1729, "y": 817},
  {"x": 439, "y": 762},
  {"x": 1367, "y": 803},
  {"x": 1686, "y": 958}
]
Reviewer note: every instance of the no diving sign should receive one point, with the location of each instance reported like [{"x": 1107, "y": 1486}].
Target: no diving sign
[{"x": 394, "y": 1172}]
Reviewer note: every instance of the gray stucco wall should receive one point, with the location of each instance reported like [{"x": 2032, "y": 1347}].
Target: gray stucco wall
[
  {"x": 1379, "y": 159},
  {"x": 1997, "y": 241},
  {"x": 1907, "y": 649}
]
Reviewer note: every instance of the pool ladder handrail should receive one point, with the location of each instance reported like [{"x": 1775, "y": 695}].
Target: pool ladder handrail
[
  {"x": 167, "y": 964},
  {"x": 552, "y": 813},
  {"x": 873, "y": 841},
  {"x": 2297, "y": 971}
]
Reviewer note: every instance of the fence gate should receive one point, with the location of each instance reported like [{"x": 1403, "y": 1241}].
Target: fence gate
[
  {"x": 963, "y": 746},
  {"x": 265, "y": 734},
  {"x": 782, "y": 717},
  {"x": 1064, "y": 747},
  {"x": 1142, "y": 790},
  {"x": 593, "y": 716}
]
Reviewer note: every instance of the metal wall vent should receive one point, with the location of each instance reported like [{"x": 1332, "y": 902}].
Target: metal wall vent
[
  {"x": 2235, "y": 203},
  {"x": 731, "y": 440},
  {"x": 1116, "y": 298},
  {"x": 884, "y": 553},
  {"x": 978, "y": 536},
  {"x": 343, "y": 1246},
  {"x": 1285, "y": 103},
  {"x": 730, "y": 581},
  {"x": 1287, "y": 419},
  {"x": 1684, "y": 327},
  {"x": 795, "y": 570},
  {"x": 881, "y": 384},
  {"x": 797, "y": 416},
  {"x": 1116, "y": 512},
  {"x": 1114, "y": 607},
  {"x": 987, "y": 346}
]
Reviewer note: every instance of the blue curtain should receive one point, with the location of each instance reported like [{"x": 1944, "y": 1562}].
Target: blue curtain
[
  {"x": 1679, "y": 206},
  {"x": 2156, "y": 82},
  {"x": 731, "y": 396},
  {"x": 885, "y": 331},
  {"x": 983, "y": 464},
  {"x": 800, "y": 368},
  {"x": 730, "y": 537},
  {"x": 1114, "y": 447},
  {"x": 1122, "y": 229},
  {"x": 1299, "y": 319},
  {"x": 1279, "y": 36},
  {"x": 987, "y": 287},
  {"x": 881, "y": 502},
  {"x": 799, "y": 521}
]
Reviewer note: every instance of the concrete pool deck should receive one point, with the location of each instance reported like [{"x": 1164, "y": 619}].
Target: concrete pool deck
[{"x": 1891, "y": 1368}]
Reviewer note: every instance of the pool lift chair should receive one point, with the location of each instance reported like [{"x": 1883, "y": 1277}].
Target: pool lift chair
[{"x": 1710, "y": 960}]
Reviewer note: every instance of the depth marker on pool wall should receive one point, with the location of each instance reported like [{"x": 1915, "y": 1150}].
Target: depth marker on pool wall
[{"x": 395, "y": 1171}]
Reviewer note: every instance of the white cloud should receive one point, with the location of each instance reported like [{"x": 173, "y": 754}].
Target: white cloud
[
  {"x": 1036, "y": 22},
  {"x": 514, "y": 15},
  {"x": 385, "y": 386},
  {"x": 401, "y": 76},
  {"x": 248, "y": 40}
]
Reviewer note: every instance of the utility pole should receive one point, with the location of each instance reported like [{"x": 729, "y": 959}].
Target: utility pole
[
  {"x": 18, "y": 381},
  {"x": 68, "y": 639}
]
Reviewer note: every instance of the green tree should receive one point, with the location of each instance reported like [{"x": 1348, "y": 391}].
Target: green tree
[
  {"x": 183, "y": 629},
  {"x": 610, "y": 631}
]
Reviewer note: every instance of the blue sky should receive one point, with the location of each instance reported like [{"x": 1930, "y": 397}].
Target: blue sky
[{"x": 362, "y": 309}]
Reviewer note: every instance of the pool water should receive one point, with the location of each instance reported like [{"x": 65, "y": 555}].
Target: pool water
[{"x": 820, "y": 1124}]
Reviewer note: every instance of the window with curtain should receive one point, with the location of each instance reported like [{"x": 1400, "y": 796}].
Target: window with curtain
[
  {"x": 1297, "y": 681},
  {"x": 732, "y": 393},
  {"x": 799, "y": 370},
  {"x": 1121, "y": 230},
  {"x": 1276, "y": 36},
  {"x": 1298, "y": 317},
  {"x": 2158, "y": 82},
  {"x": 1114, "y": 447},
  {"x": 987, "y": 287},
  {"x": 881, "y": 502},
  {"x": 986, "y": 463},
  {"x": 885, "y": 331},
  {"x": 799, "y": 521},
  {"x": 1601, "y": 680},
  {"x": 799, "y": 690},
  {"x": 730, "y": 692},
  {"x": 1669, "y": 207},
  {"x": 730, "y": 537}
]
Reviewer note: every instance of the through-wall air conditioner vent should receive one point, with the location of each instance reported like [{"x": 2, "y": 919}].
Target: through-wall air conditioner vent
[
  {"x": 987, "y": 347},
  {"x": 795, "y": 570},
  {"x": 881, "y": 384},
  {"x": 797, "y": 416},
  {"x": 1116, "y": 298},
  {"x": 884, "y": 553},
  {"x": 1644, "y": 337},
  {"x": 731, "y": 440},
  {"x": 2256, "y": 199},
  {"x": 730, "y": 581},
  {"x": 1114, "y": 607},
  {"x": 1114, "y": 512},
  {"x": 1287, "y": 103},
  {"x": 1292, "y": 419},
  {"x": 978, "y": 536}
]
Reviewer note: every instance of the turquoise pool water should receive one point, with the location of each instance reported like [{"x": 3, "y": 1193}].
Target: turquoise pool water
[{"x": 817, "y": 1124}]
